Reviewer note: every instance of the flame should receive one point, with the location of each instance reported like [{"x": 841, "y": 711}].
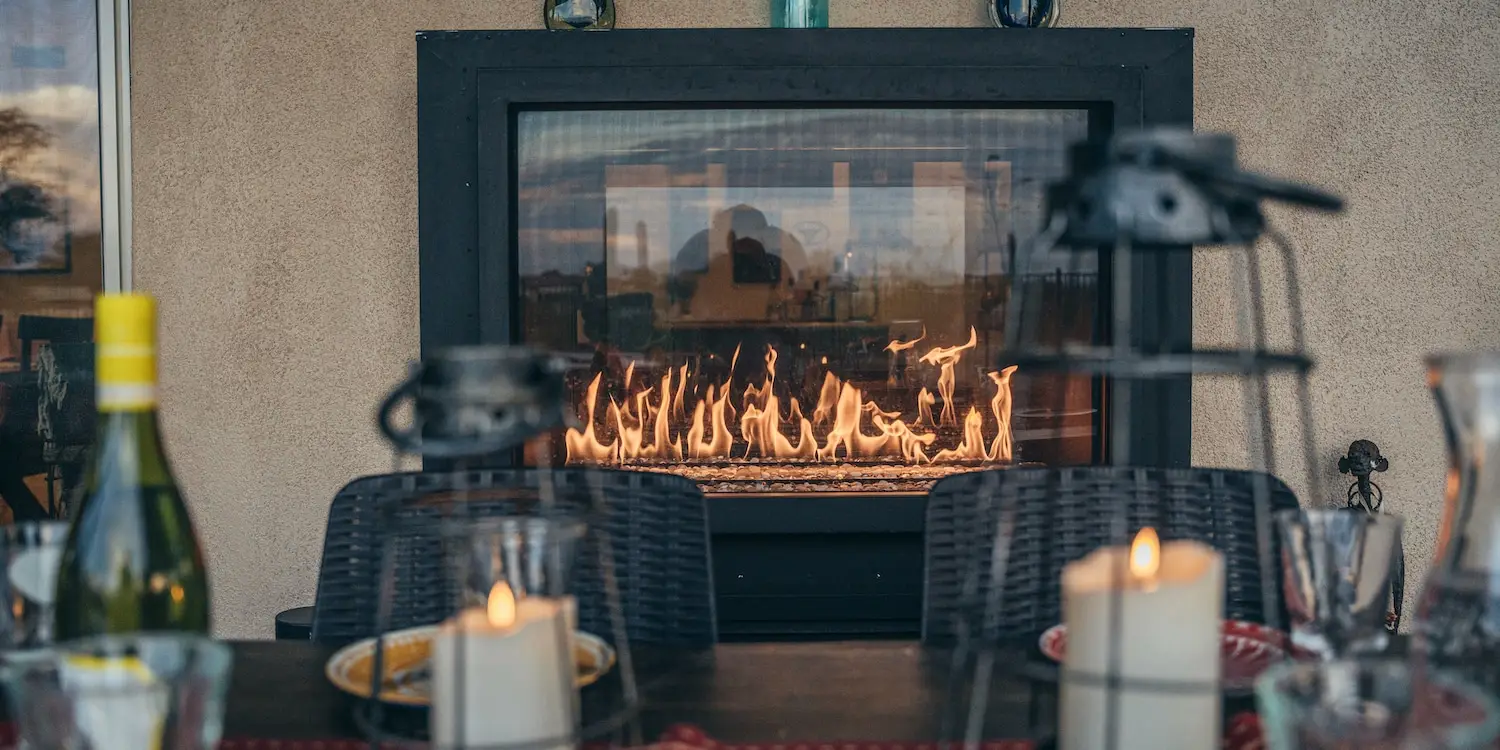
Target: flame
[
  {"x": 1000, "y": 449},
  {"x": 648, "y": 423},
  {"x": 584, "y": 446},
  {"x": 826, "y": 399},
  {"x": 501, "y": 609},
  {"x": 945, "y": 357},
  {"x": 925, "y": 400},
  {"x": 1145, "y": 555},
  {"x": 901, "y": 346}
]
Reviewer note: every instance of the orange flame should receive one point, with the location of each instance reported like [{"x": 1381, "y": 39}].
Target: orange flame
[
  {"x": 1145, "y": 555},
  {"x": 901, "y": 346},
  {"x": 500, "y": 610},
  {"x": 647, "y": 424},
  {"x": 945, "y": 357},
  {"x": 1001, "y": 448}
]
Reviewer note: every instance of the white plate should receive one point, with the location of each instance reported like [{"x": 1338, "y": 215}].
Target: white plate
[{"x": 406, "y": 659}]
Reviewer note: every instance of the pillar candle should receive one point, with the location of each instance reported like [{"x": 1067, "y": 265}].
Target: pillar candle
[
  {"x": 1171, "y": 600},
  {"x": 516, "y": 683}
]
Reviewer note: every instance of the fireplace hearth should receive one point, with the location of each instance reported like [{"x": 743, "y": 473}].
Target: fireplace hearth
[{"x": 780, "y": 263}]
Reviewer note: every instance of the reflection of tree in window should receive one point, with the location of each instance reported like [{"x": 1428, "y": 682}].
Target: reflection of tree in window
[{"x": 22, "y": 203}]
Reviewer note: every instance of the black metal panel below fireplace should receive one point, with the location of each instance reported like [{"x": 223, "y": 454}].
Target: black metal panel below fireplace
[{"x": 780, "y": 261}]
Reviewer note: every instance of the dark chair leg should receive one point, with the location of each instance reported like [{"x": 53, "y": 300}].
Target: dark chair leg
[{"x": 52, "y": 490}]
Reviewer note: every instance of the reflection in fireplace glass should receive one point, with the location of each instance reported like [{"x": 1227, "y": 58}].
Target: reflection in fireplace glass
[{"x": 801, "y": 299}]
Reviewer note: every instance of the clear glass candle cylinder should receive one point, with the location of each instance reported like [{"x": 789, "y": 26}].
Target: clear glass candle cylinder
[
  {"x": 531, "y": 557},
  {"x": 503, "y": 668}
]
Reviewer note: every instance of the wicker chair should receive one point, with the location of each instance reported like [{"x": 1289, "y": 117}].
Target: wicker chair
[
  {"x": 1064, "y": 513},
  {"x": 657, "y": 524}
]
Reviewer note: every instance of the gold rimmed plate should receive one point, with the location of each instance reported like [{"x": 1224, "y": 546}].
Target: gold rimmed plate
[{"x": 407, "y": 655}]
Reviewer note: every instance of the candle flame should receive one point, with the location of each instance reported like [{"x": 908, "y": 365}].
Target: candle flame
[
  {"x": 502, "y": 606},
  {"x": 1145, "y": 554}
]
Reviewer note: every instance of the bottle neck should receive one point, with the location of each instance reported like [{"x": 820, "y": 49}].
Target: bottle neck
[{"x": 129, "y": 448}]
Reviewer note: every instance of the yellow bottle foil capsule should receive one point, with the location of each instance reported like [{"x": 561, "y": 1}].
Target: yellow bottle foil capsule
[{"x": 125, "y": 337}]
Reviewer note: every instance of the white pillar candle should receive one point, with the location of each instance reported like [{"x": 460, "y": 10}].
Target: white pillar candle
[
  {"x": 1171, "y": 600},
  {"x": 516, "y": 681}
]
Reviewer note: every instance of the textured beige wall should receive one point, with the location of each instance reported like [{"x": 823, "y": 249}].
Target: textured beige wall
[{"x": 275, "y": 188}]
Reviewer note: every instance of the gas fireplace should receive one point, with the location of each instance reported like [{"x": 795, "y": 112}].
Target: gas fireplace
[
  {"x": 780, "y": 264},
  {"x": 846, "y": 442}
]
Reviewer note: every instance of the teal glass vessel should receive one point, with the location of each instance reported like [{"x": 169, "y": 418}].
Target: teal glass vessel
[{"x": 799, "y": 14}]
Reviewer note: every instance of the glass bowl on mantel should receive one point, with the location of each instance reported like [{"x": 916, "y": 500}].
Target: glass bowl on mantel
[{"x": 1024, "y": 14}]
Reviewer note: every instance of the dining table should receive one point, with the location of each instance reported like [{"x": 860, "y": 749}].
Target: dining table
[{"x": 734, "y": 693}]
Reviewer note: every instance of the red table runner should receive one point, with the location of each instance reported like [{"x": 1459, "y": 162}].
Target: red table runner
[{"x": 1243, "y": 734}]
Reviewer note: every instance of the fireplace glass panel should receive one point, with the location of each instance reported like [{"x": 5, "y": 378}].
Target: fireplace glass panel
[{"x": 792, "y": 300}]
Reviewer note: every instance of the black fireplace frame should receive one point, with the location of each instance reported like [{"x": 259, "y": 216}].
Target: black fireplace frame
[{"x": 472, "y": 84}]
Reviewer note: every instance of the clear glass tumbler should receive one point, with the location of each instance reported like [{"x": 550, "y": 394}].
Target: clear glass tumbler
[
  {"x": 1336, "y": 567},
  {"x": 134, "y": 692},
  {"x": 1457, "y": 619},
  {"x": 32, "y": 553},
  {"x": 1372, "y": 704}
]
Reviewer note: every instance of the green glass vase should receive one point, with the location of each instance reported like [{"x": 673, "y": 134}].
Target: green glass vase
[{"x": 799, "y": 14}]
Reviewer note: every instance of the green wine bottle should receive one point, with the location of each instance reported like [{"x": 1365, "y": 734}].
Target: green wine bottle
[{"x": 132, "y": 562}]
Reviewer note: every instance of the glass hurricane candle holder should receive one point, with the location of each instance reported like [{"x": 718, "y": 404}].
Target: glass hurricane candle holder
[{"x": 503, "y": 668}]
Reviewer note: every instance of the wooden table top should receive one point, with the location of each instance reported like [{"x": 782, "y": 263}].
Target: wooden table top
[{"x": 872, "y": 691}]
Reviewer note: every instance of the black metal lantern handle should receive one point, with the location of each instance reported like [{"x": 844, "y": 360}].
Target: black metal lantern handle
[
  {"x": 512, "y": 430},
  {"x": 1227, "y": 176},
  {"x": 1259, "y": 184}
]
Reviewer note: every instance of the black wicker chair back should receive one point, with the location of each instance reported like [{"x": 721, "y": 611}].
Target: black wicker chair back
[
  {"x": 1064, "y": 513},
  {"x": 657, "y": 526}
]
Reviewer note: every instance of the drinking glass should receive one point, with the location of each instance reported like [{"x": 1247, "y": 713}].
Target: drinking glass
[
  {"x": 1374, "y": 704},
  {"x": 134, "y": 692},
  {"x": 32, "y": 554},
  {"x": 1337, "y": 566}
]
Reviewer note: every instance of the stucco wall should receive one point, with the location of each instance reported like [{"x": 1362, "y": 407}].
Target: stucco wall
[{"x": 275, "y": 200}]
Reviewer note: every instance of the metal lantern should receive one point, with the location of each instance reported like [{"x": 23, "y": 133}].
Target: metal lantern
[
  {"x": 504, "y": 576},
  {"x": 1125, "y": 199}
]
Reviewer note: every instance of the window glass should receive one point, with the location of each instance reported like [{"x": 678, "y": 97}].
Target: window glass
[
  {"x": 50, "y": 250},
  {"x": 801, "y": 299}
]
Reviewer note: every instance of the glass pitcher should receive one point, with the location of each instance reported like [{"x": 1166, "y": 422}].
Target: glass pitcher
[{"x": 1458, "y": 618}]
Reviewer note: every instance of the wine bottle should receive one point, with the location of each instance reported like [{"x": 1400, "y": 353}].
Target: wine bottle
[{"x": 132, "y": 561}]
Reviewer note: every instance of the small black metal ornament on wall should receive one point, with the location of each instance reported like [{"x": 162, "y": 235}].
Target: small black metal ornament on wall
[{"x": 1364, "y": 494}]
